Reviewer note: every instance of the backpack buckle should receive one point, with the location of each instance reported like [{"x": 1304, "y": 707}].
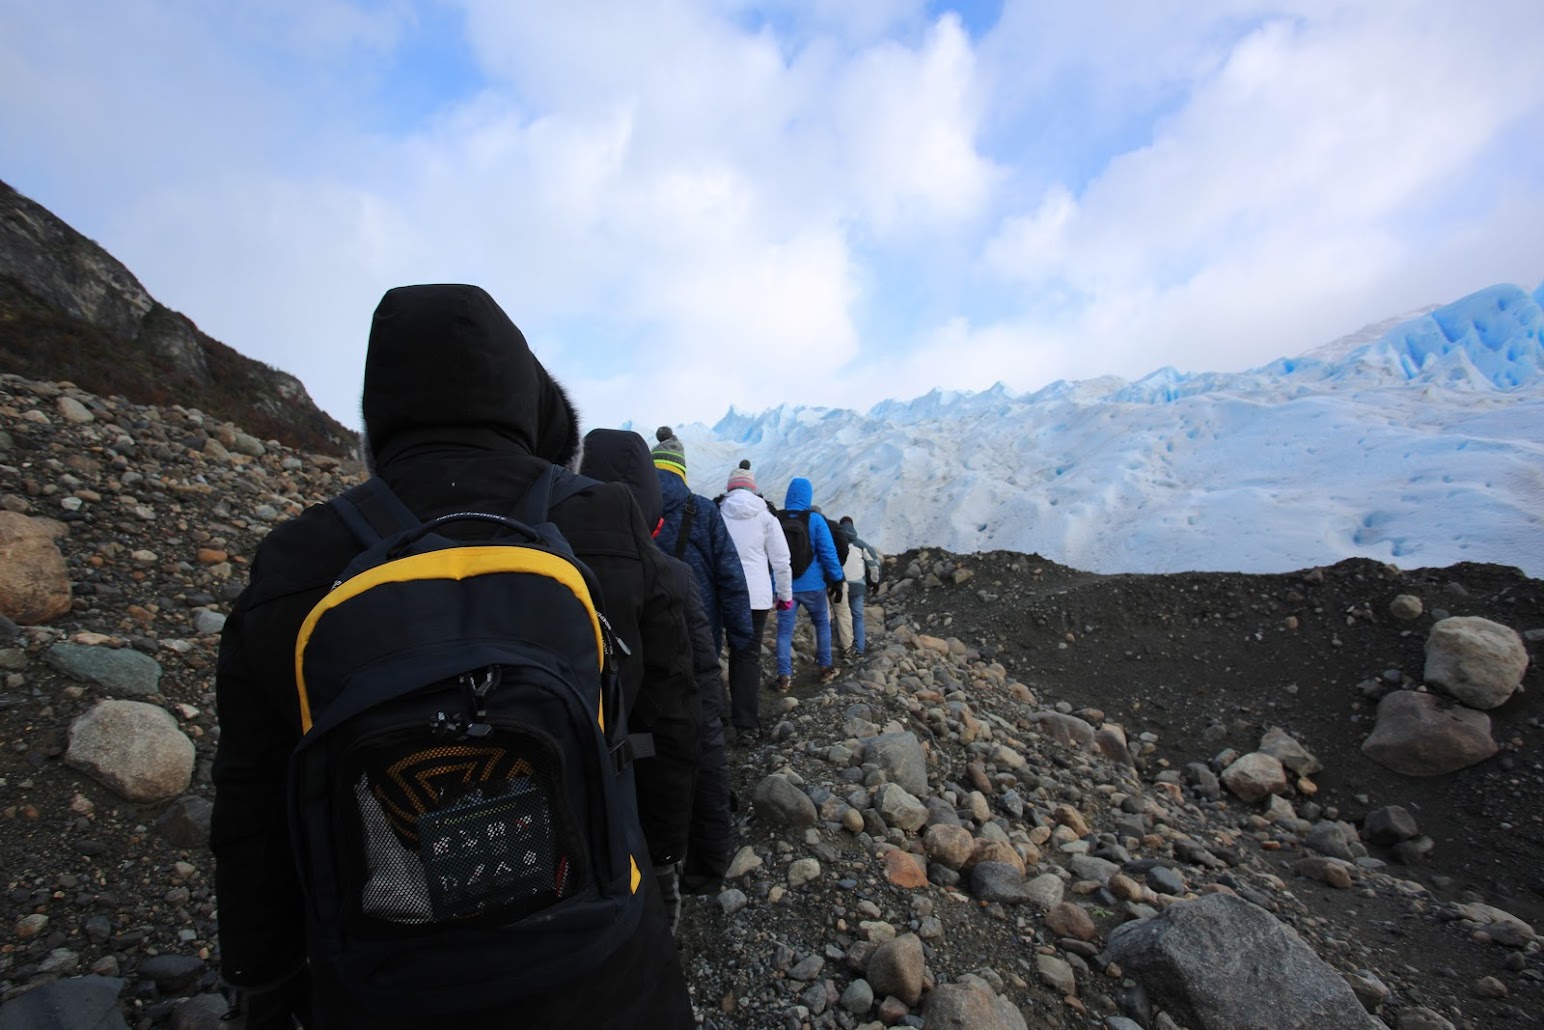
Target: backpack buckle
[{"x": 476, "y": 686}]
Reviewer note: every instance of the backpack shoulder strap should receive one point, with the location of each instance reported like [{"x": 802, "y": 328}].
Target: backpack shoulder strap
[
  {"x": 551, "y": 489},
  {"x": 686, "y": 525},
  {"x": 373, "y": 512}
]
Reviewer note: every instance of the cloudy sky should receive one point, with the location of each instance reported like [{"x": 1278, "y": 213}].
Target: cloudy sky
[{"x": 688, "y": 205}]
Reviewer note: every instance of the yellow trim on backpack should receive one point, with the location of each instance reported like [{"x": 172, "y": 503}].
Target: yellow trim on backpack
[
  {"x": 448, "y": 563},
  {"x": 637, "y": 876}
]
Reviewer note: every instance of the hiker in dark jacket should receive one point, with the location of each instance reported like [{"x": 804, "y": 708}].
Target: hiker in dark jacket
[
  {"x": 708, "y": 549},
  {"x": 861, "y": 564},
  {"x": 458, "y": 416},
  {"x": 809, "y": 590},
  {"x": 622, "y": 456}
]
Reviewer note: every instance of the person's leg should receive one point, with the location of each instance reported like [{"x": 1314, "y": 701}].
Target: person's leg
[
  {"x": 855, "y": 594},
  {"x": 745, "y": 675},
  {"x": 820, "y": 613},
  {"x": 711, "y": 836},
  {"x": 785, "y": 621},
  {"x": 843, "y": 619}
]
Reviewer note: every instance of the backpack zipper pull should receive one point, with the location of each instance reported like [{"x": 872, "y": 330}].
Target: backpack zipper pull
[
  {"x": 478, "y": 690},
  {"x": 609, "y": 639}
]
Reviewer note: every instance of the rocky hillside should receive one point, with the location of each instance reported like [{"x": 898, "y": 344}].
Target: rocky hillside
[
  {"x": 1045, "y": 799},
  {"x": 69, "y": 310}
]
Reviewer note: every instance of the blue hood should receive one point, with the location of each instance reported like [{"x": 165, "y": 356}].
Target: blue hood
[{"x": 799, "y": 495}]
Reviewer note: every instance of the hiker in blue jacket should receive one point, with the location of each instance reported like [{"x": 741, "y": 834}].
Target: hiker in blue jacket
[
  {"x": 809, "y": 590},
  {"x": 708, "y": 548}
]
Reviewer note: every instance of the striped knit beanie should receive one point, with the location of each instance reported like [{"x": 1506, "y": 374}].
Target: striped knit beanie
[
  {"x": 741, "y": 478},
  {"x": 669, "y": 454}
]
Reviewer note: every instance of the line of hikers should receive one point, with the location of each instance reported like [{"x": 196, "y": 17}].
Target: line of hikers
[{"x": 472, "y": 715}]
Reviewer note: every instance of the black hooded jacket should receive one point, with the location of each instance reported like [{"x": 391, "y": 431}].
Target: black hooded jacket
[
  {"x": 622, "y": 456},
  {"x": 459, "y": 416}
]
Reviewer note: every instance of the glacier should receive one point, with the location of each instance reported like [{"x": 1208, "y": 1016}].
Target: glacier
[{"x": 1420, "y": 444}]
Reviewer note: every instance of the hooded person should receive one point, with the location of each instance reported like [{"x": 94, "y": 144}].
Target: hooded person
[
  {"x": 862, "y": 560},
  {"x": 694, "y": 532},
  {"x": 809, "y": 588},
  {"x": 458, "y": 416},
  {"x": 622, "y": 456},
  {"x": 763, "y": 551}
]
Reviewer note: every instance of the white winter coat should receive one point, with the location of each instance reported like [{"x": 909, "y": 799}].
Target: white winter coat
[{"x": 761, "y": 544}]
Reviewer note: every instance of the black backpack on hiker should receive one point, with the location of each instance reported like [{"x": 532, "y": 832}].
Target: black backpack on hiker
[
  {"x": 838, "y": 540},
  {"x": 462, "y": 800},
  {"x": 796, "y": 529}
]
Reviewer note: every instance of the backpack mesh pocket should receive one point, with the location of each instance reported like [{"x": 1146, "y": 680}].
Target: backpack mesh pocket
[{"x": 462, "y": 831}]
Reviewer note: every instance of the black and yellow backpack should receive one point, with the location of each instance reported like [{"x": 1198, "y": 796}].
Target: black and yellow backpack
[{"x": 462, "y": 799}]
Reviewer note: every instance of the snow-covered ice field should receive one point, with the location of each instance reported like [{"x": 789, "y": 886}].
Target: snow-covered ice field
[{"x": 1423, "y": 447}]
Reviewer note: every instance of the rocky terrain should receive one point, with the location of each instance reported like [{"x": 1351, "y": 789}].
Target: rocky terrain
[
  {"x": 70, "y": 310},
  {"x": 1045, "y": 799}
]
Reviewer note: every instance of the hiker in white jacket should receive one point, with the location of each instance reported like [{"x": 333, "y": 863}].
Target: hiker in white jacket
[{"x": 769, "y": 576}]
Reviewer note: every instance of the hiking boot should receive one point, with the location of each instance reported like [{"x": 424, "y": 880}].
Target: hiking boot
[
  {"x": 746, "y": 736},
  {"x": 829, "y": 673},
  {"x": 783, "y": 684}
]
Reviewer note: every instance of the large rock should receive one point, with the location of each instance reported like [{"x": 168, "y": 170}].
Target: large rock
[
  {"x": 134, "y": 748},
  {"x": 185, "y": 823},
  {"x": 898, "y": 808},
  {"x": 34, "y": 580},
  {"x": 970, "y": 1004},
  {"x": 949, "y": 846},
  {"x": 204, "y": 1012},
  {"x": 81, "y": 1003},
  {"x": 1417, "y": 735},
  {"x": 999, "y": 882},
  {"x": 1065, "y": 729},
  {"x": 1255, "y": 776},
  {"x": 1477, "y": 661},
  {"x": 1220, "y": 963},
  {"x": 120, "y": 671},
  {"x": 897, "y": 967},
  {"x": 1284, "y": 747},
  {"x": 901, "y": 756},
  {"x": 1494, "y": 918},
  {"x": 1388, "y": 826},
  {"x": 779, "y": 801}
]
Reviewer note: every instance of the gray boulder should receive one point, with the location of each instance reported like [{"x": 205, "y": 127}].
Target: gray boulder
[
  {"x": 134, "y": 748},
  {"x": 999, "y": 882},
  {"x": 1417, "y": 736},
  {"x": 970, "y": 1004},
  {"x": 1283, "y": 747},
  {"x": 1477, "y": 661},
  {"x": 118, "y": 670},
  {"x": 185, "y": 823},
  {"x": 204, "y": 1012},
  {"x": 1066, "y": 729},
  {"x": 1255, "y": 776},
  {"x": 1388, "y": 826},
  {"x": 898, "y": 808},
  {"x": 1220, "y": 963},
  {"x": 901, "y": 756},
  {"x": 778, "y": 801},
  {"x": 897, "y": 968},
  {"x": 80, "y": 1003}
]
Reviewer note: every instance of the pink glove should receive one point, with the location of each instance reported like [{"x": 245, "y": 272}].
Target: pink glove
[{"x": 783, "y": 606}]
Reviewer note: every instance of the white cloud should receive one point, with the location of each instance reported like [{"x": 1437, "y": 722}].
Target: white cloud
[
  {"x": 693, "y": 204},
  {"x": 1285, "y": 200}
]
